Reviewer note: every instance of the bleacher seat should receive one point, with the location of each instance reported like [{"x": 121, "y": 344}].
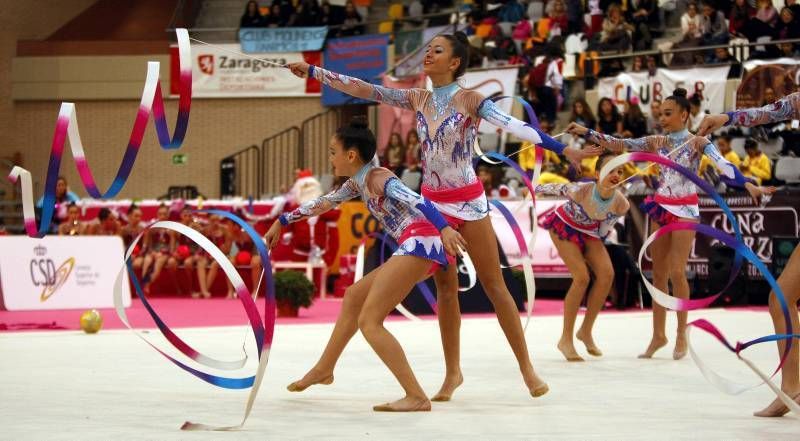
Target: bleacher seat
[{"x": 788, "y": 169}]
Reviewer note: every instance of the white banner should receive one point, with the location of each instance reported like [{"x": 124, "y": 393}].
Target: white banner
[
  {"x": 217, "y": 73},
  {"x": 546, "y": 261},
  {"x": 60, "y": 272},
  {"x": 708, "y": 81}
]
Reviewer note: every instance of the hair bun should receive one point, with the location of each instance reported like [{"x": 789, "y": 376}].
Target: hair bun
[
  {"x": 462, "y": 37},
  {"x": 359, "y": 122},
  {"x": 681, "y": 92}
]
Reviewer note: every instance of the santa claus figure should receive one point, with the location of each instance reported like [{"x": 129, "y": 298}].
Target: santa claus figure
[{"x": 297, "y": 244}]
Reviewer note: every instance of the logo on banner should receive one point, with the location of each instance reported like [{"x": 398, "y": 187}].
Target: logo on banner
[
  {"x": 45, "y": 274},
  {"x": 206, "y": 63}
]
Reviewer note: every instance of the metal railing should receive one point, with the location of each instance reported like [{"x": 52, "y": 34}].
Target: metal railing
[
  {"x": 316, "y": 133},
  {"x": 280, "y": 156},
  {"x": 241, "y": 173},
  {"x": 738, "y": 52}
]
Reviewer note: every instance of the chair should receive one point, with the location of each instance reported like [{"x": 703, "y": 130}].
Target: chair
[{"x": 788, "y": 169}]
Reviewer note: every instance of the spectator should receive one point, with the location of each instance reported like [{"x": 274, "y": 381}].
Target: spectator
[
  {"x": 415, "y": 9},
  {"x": 287, "y": 8},
  {"x": 638, "y": 64},
  {"x": 131, "y": 231},
  {"x": 741, "y": 13},
  {"x": 547, "y": 80},
  {"x": 412, "y": 150},
  {"x": 394, "y": 153},
  {"x": 616, "y": 31},
  {"x": 575, "y": 12},
  {"x": 326, "y": 15},
  {"x": 609, "y": 121},
  {"x": 787, "y": 27},
  {"x": 756, "y": 164},
  {"x": 275, "y": 18},
  {"x": 106, "y": 225},
  {"x": 221, "y": 236},
  {"x": 252, "y": 17},
  {"x": 352, "y": 22},
  {"x": 582, "y": 114},
  {"x": 63, "y": 197},
  {"x": 653, "y": 121},
  {"x": 634, "y": 124},
  {"x": 723, "y": 56},
  {"x": 715, "y": 29},
  {"x": 643, "y": 15},
  {"x": 72, "y": 225},
  {"x": 652, "y": 65},
  {"x": 787, "y": 50},
  {"x": 767, "y": 13},
  {"x": 159, "y": 244},
  {"x": 511, "y": 12},
  {"x": 306, "y": 14},
  {"x": 488, "y": 179},
  {"x": 792, "y": 4},
  {"x": 557, "y": 12},
  {"x": 691, "y": 24}
]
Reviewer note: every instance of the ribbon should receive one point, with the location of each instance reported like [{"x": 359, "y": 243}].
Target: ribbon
[
  {"x": 742, "y": 251},
  {"x": 67, "y": 128},
  {"x": 498, "y": 158},
  {"x": 263, "y": 330}
]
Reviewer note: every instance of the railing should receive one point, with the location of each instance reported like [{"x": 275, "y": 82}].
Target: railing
[
  {"x": 738, "y": 50},
  {"x": 241, "y": 173},
  {"x": 316, "y": 133},
  {"x": 280, "y": 154}
]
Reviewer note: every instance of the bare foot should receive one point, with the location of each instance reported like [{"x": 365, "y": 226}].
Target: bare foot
[
  {"x": 451, "y": 383},
  {"x": 777, "y": 408},
  {"x": 231, "y": 295},
  {"x": 655, "y": 344},
  {"x": 536, "y": 386},
  {"x": 407, "y": 404},
  {"x": 588, "y": 341},
  {"x": 311, "y": 378},
  {"x": 205, "y": 295},
  {"x": 568, "y": 349},
  {"x": 681, "y": 345}
]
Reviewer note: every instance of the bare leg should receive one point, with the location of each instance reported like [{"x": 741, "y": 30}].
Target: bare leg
[
  {"x": 598, "y": 259},
  {"x": 789, "y": 281},
  {"x": 255, "y": 270},
  {"x": 188, "y": 267},
  {"x": 659, "y": 250},
  {"x": 202, "y": 264},
  {"x": 210, "y": 277},
  {"x": 680, "y": 247},
  {"x": 161, "y": 260},
  {"x": 345, "y": 328},
  {"x": 571, "y": 255},
  {"x": 482, "y": 248},
  {"x": 391, "y": 285},
  {"x": 148, "y": 260},
  {"x": 231, "y": 294},
  {"x": 450, "y": 329}
]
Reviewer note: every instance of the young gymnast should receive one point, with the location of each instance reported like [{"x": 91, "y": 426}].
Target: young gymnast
[
  {"x": 447, "y": 124},
  {"x": 675, "y": 200},
  {"x": 577, "y": 228},
  {"x": 424, "y": 238},
  {"x": 784, "y": 109}
]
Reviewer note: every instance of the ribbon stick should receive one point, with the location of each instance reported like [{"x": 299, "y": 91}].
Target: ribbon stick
[
  {"x": 67, "y": 129},
  {"x": 742, "y": 251}
]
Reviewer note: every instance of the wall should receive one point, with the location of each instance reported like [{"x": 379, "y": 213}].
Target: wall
[{"x": 216, "y": 128}]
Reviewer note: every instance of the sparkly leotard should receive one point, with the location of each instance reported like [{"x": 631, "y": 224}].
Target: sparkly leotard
[{"x": 410, "y": 219}]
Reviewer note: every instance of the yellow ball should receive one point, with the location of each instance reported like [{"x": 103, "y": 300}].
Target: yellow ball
[{"x": 91, "y": 321}]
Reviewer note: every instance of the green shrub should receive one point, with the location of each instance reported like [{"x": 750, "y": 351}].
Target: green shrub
[{"x": 294, "y": 287}]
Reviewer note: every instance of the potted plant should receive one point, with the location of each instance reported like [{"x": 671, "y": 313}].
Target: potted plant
[{"x": 292, "y": 291}]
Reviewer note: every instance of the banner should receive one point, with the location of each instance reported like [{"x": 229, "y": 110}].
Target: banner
[
  {"x": 265, "y": 40},
  {"x": 758, "y": 224},
  {"x": 217, "y": 73},
  {"x": 546, "y": 261},
  {"x": 362, "y": 57},
  {"x": 767, "y": 81},
  {"x": 60, "y": 272},
  {"x": 355, "y": 224},
  {"x": 709, "y": 82}
]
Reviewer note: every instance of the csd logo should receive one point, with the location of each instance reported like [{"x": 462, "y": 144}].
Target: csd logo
[{"x": 44, "y": 273}]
